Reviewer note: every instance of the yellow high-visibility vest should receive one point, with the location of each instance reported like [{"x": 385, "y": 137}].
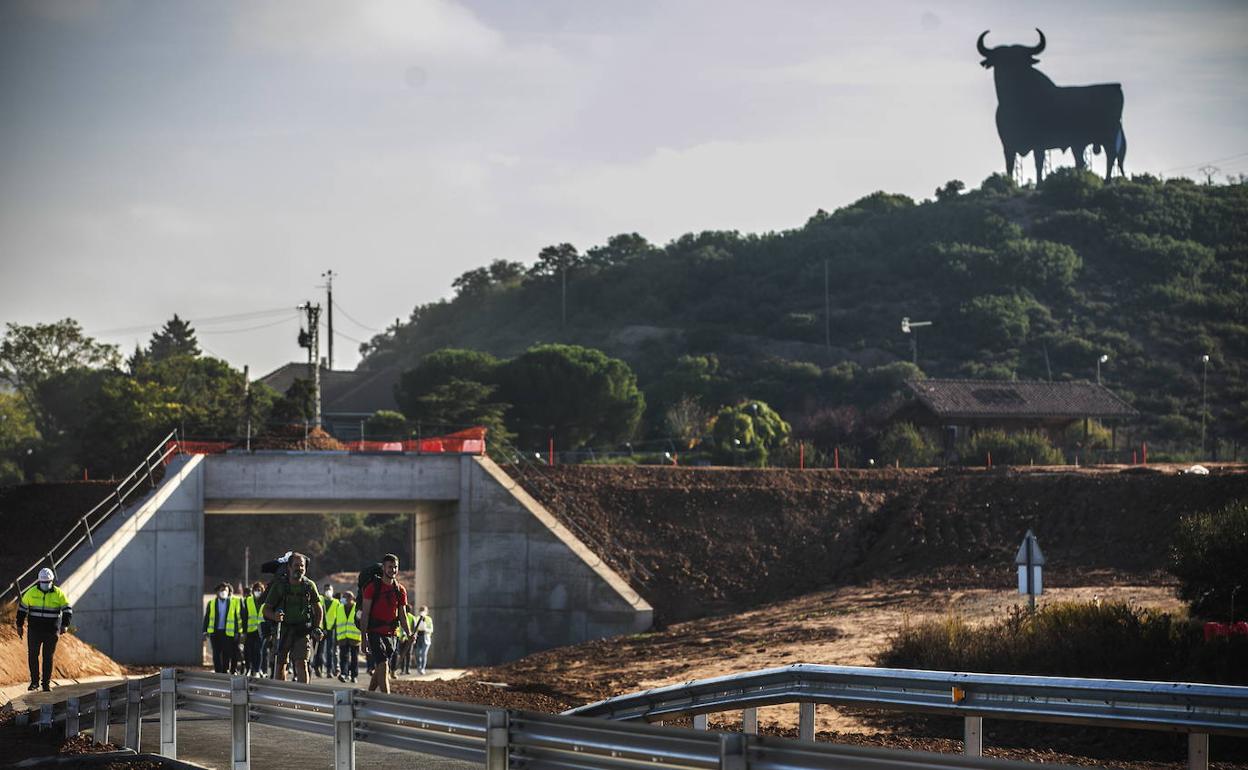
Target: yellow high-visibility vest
[
  {"x": 49, "y": 605},
  {"x": 255, "y": 614},
  {"x": 233, "y": 608},
  {"x": 346, "y": 629},
  {"x": 427, "y": 627}
]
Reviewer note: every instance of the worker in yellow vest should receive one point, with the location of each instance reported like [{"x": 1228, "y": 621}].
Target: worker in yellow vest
[
  {"x": 47, "y": 607},
  {"x": 221, "y": 625},
  {"x": 348, "y": 635},
  {"x": 424, "y": 638},
  {"x": 253, "y": 614}
]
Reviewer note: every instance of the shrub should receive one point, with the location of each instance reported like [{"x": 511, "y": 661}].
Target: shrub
[
  {"x": 1208, "y": 558},
  {"x": 1009, "y": 448},
  {"x": 906, "y": 444}
]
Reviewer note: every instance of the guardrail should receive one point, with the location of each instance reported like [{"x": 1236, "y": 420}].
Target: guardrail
[
  {"x": 500, "y": 739},
  {"x": 1196, "y": 709},
  {"x": 145, "y": 472}
]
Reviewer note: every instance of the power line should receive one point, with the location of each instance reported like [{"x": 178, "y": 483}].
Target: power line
[
  {"x": 1198, "y": 164},
  {"x": 348, "y": 336},
  {"x": 208, "y": 320},
  {"x": 352, "y": 320},
  {"x": 248, "y": 329}
]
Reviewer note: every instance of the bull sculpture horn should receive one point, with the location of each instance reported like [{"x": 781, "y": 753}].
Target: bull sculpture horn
[
  {"x": 1036, "y": 51},
  {"x": 979, "y": 44}
]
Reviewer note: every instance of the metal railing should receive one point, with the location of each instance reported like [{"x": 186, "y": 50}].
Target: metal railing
[
  {"x": 1196, "y": 709},
  {"x": 92, "y": 520},
  {"x": 501, "y": 739}
]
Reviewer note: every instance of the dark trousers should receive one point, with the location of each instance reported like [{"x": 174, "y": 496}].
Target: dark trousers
[
  {"x": 37, "y": 640},
  {"x": 223, "y": 649},
  {"x": 349, "y": 659},
  {"x": 251, "y": 652}
]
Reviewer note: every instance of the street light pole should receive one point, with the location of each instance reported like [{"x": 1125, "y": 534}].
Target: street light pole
[
  {"x": 1100, "y": 361},
  {"x": 1204, "y": 379}
]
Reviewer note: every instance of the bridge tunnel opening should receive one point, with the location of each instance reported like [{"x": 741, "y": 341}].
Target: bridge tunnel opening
[{"x": 338, "y": 546}]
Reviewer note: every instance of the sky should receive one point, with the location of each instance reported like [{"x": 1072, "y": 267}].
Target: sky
[{"x": 214, "y": 159}]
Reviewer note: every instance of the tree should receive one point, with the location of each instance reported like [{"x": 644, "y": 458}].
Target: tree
[
  {"x": 746, "y": 434},
  {"x": 554, "y": 259},
  {"x": 30, "y": 356},
  {"x": 1208, "y": 559},
  {"x": 17, "y": 434},
  {"x": 950, "y": 190},
  {"x": 457, "y": 404},
  {"x": 436, "y": 370},
  {"x": 176, "y": 338},
  {"x": 472, "y": 283},
  {"x": 213, "y": 397},
  {"x": 687, "y": 419},
  {"x": 385, "y": 424},
  {"x": 905, "y": 444},
  {"x": 620, "y": 250},
  {"x": 575, "y": 395}
]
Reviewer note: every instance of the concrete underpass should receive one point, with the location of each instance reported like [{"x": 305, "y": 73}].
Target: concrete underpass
[{"x": 501, "y": 576}]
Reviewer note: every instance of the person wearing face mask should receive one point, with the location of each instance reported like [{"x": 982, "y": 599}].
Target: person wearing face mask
[
  {"x": 294, "y": 604},
  {"x": 49, "y": 612},
  {"x": 221, "y": 625},
  {"x": 251, "y": 620}
]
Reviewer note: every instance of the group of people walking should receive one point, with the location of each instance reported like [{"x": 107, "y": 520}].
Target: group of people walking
[{"x": 290, "y": 624}]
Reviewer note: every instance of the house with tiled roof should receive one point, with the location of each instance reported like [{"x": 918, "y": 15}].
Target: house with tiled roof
[
  {"x": 960, "y": 407},
  {"x": 348, "y": 398}
]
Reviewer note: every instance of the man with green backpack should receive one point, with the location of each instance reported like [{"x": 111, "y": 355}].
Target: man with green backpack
[{"x": 295, "y": 605}]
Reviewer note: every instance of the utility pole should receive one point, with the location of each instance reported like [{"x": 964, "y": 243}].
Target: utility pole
[
  {"x": 563, "y": 293},
  {"x": 311, "y": 339},
  {"x": 329, "y": 276},
  {"x": 1209, "y": 172},
  {"x": 1204, "y": 403},
  {"x": 247, "y": 401},
  {"x": 908, "y": 327}
]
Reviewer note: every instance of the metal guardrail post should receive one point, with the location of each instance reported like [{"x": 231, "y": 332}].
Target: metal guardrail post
[
  {"x": 973, "y": 736},
  {"x": 169, "y": 713},
  {"x": 806, "y": 721},
  {"x": 134, "y": 713},
  {"x": 701, "y": 721},
  {"x": 1198, "y": 751},
  {"x": 732, "y": 754},
  {"x": 344, "y": 729},
  {"x": 72, "y": 708},
  {"x": 103, "y": 702},
  {"x": 497, "y": 739},
  {"x": 240, "y": 728},
  {"x": 749, "y": 721}
]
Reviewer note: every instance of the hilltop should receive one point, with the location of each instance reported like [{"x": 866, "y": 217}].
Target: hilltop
[{"x": 1018, "y": 283}]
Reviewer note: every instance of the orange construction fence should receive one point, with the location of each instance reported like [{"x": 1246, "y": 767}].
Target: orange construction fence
[{"x": 469, "y": 441}]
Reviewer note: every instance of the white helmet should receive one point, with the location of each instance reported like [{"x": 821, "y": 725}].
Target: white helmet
[{"x": 46, "y": 575}]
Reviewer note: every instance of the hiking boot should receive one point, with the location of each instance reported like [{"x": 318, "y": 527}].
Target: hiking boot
[
  {"x": 352, "y": 679},
  {"x": 33, "y": 686},
  {"x": 47, "y": 687}
]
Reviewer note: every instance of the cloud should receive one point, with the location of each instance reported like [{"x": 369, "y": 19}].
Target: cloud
[{"x": 378, "y": 27}]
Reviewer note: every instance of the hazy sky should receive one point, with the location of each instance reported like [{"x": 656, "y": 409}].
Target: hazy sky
[{"x": 214, "y": 158}]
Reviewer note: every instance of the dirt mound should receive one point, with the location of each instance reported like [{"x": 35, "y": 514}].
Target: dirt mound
[
  {"x": 74, "y": 658},
  {"x": 296, "y": 438},
  {"x": 719, "y": 540}
]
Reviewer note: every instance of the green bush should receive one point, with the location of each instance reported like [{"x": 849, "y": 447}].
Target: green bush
[
  {"x": 905, "y": 444},
  {"x": 1114, "y": 640},
  {"x": 1208, "y": 558},
  {"x": 1026, "y": 448}
]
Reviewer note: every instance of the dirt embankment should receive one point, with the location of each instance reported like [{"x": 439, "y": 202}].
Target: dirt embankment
[
  {"x": 74, "y": 658},
  {"x": 723, "y": 540}
]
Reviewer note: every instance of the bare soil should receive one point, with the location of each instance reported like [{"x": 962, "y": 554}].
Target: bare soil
[{"x": 74, "y": 658}]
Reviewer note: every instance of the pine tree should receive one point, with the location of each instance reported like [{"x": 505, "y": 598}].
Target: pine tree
[{"x": 177, "y": 338}]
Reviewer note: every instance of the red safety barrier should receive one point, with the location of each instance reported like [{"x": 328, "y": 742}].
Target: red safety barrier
[
  {"x": 1214, "y": 630},
  {"x": 470, "y": 441},
  {"x": 201, "y": 447},
  {"x": 377, "y": 446}
]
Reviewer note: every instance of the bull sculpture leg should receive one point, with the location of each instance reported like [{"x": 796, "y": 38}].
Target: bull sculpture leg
[
  {"x": 1009, "y": 162},
  {"x": 1079, "y": 153},
  {"x": 1039, "y": 157}
]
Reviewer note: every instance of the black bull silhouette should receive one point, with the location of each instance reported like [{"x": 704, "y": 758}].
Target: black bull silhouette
[{"x": 1034, "y": 115}]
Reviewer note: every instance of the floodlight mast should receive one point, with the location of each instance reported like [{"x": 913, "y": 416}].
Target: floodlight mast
[{"x": 908, "y": 327}]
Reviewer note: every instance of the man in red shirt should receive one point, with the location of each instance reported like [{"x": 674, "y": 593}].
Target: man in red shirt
[{"x": 382, "y": 603}]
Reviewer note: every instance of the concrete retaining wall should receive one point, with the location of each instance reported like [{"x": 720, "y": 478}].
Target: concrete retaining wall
[{"x": 137, "y": 595}]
